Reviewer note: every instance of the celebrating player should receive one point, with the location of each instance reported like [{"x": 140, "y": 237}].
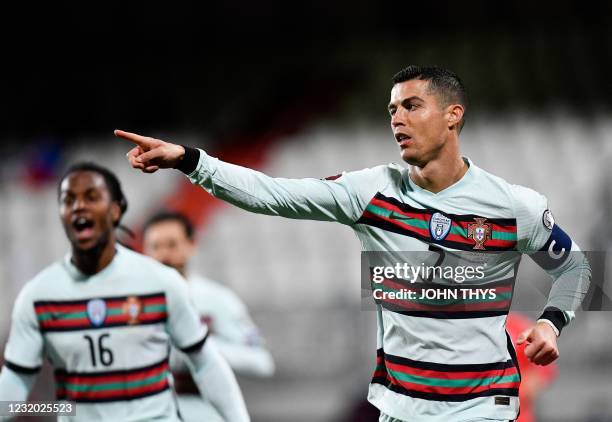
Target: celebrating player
[
  {"x": 169, "y": 238},
  {"x": 430, "y": 367},
  {"x": 105, "y": 317}
]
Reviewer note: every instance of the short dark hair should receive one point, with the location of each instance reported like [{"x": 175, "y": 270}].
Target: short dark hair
[
  {"x": 111, "y": 181},
  {"x": 443, "y": 82},
  {"x": 163, "y": 216}
]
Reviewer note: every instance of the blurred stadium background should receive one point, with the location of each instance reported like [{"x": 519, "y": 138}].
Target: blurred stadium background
[{"x": 300, "y": 90}]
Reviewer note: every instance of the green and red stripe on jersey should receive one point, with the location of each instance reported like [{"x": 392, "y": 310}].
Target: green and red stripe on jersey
[
  {"x": 72, "y": 315},
  {"x": 392, "y": 215},
  {"x": 445, "y": 382},
  {"x": 474, "y": 306},
  {"x": 112, "y": 385}
]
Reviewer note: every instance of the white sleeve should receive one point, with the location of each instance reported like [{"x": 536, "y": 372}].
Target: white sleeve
[
  {"x": 238, "y": 339},
  {"x": 15, "y": 386},
  {"x": 342, "y": 199},
  {"x": 553, "y": 250},
  {"x": 24, "y": 350},
  {"x": 183, "y": 325},
  {"x": 217, "y": 383}
]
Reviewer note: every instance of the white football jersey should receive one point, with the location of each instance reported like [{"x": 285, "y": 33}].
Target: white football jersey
[{"x": 107, "y": 335}]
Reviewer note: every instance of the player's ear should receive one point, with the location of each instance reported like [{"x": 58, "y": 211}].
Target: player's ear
[
  {"x": 115, "y": 212},
  {"x": 455, "y": 115}
]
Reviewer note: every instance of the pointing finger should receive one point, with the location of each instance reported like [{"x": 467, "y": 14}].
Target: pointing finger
[{"x": 144, "y": 142}]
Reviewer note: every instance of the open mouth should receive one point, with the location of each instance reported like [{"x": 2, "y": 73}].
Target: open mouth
[
  {"x": 83, "y": 227},
  {"x": 402, "y": 137}
]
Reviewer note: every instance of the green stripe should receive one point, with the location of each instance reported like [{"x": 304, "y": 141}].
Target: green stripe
[
  {"x": 154, "y": 308},
  {"x": 464, "y": 382},
  {"x": 421, "y": 224},
  {"x": 109, "y": 312},
  {"x": 114, "y": 385},
  {"x": 75, "y": 315},
  {"x": 383, "y": 212},
  {"x": 509, "y": 236}
]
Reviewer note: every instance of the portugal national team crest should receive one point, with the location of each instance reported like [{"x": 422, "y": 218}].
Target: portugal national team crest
[
  {"x": 96, "y": 312},
  {"x": 479, "y": 232},
  {"x": 132, "y": 307},
  {"x": 439, "y": 226}
]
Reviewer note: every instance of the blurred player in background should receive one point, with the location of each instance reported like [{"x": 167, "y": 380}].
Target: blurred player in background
[
  {"x": 431, "y": 366},
  {"x": 105, "y": 317},
  {"x": 534, "y": 378},
  {"x": 169, "y": 238}
]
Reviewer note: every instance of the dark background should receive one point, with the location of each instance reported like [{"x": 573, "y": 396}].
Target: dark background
[{"x": 224, "y": 68}]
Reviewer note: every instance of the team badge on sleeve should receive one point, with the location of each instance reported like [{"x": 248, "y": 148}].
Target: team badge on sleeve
[
  {"x": 548, "y": 220},
  {"x": 96, "y": 312},
  {"x": 439, "y": 226},
  {"x": 479, "y": 232},
  {"x": 132, "y": 307}
]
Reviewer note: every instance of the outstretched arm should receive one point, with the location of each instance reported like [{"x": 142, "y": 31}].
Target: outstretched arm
[{"x": 343, "y": 199}]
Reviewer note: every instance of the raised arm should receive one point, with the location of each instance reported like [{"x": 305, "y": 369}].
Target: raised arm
[{"x": 342, "y": 200}]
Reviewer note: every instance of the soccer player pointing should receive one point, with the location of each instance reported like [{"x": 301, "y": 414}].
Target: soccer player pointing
[
  {"x": 105, "y": 317},
  {"x": 430, "y": 366}
]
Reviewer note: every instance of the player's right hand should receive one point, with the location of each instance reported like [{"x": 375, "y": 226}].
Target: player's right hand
[{"x": 150, "y": 154}]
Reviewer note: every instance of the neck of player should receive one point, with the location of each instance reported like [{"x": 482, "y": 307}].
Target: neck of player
[
  {"x": 94, "y": 260},
  {"x": 446, "y": 169}
]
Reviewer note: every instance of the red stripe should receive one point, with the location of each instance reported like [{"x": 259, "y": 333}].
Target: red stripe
[
  {"x": 451, "y": 237},
  {"x": 447, "y": 390},
  {"x": 451, "y": 390},
  {"x": 425, "y": 216},
  {"x": 81, "y": 307},
  {"x": 494, "y": 227},
  {"x": 90, "y": 380},
  {"x": 157, "y": 300},
  {"x": 112, "y": 393},
  {"x": 64, "y": 323},
  {"x": 428, "y": 373},
  {"x": 150, "y": 316}
]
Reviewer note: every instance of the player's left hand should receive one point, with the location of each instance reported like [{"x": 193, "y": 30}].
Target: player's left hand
[{"x": 541, "y": 347}]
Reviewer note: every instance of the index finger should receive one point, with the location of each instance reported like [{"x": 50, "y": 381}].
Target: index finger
[{"x": 141, "y": 141}]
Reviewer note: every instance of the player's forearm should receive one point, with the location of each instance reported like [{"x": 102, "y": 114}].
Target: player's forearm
[
  {"x": 15, "y": 386},
  {"x": 254, "y": 191},
  {"x": 244, "y": 359},
  {"x": 217, "y": 383},
  {"x": 571, "y": 282}
]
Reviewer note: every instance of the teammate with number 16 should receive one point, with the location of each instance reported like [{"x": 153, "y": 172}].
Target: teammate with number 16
[{"x": 105, "y": 317}]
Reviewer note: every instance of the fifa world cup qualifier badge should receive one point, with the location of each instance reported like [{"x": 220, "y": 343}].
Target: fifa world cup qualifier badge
[
  {"x": 548, "y": 220},
  {"x": 479, "y": 232},
  {"x": 439, "y": 226},
  {"x": 96, "y": 312}
]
